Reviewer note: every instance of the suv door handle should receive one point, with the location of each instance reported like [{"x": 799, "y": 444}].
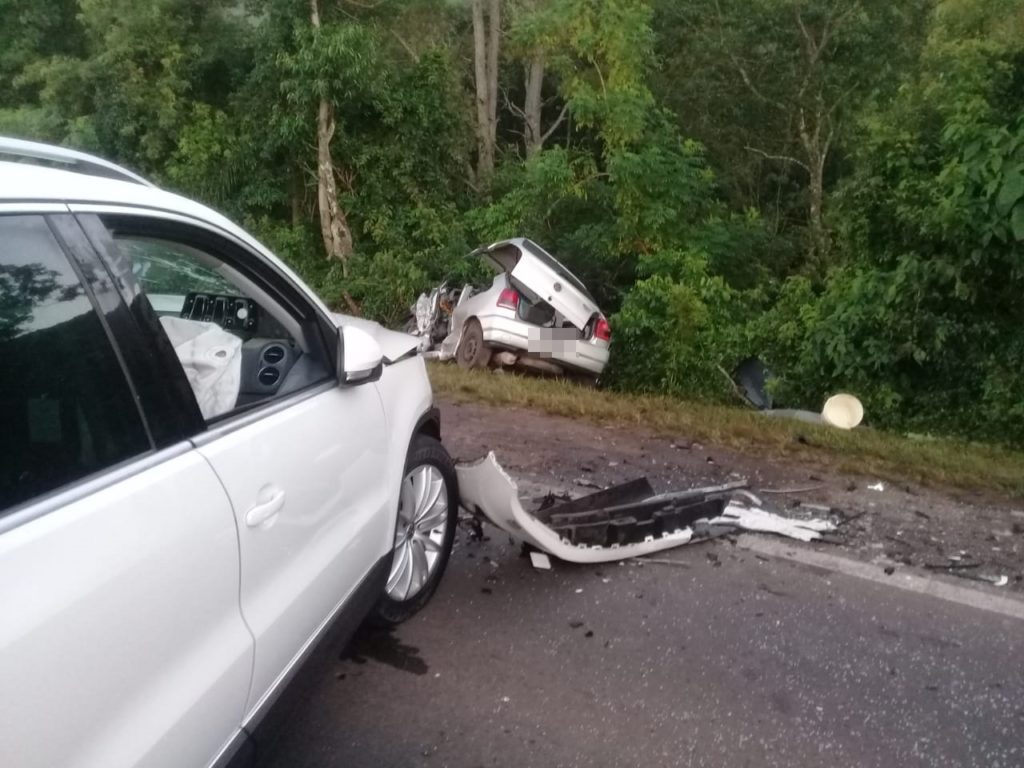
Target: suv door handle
[{"x": 263, "y": 513}]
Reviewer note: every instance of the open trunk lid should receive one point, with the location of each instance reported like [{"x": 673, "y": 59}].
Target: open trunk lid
[{"x": 545, "y": 276}]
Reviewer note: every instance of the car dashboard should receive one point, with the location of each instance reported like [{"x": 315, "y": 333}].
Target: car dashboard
[{"x": 268, "y": 352}]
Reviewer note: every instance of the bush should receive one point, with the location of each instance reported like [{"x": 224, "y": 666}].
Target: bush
[{"x": 677, "y": 330}]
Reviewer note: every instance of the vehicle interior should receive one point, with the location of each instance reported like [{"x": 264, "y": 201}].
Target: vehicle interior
[{"x": 238, "y": 346}]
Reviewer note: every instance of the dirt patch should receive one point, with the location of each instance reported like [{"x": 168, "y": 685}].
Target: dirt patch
[{"x": 904, "y": 523}]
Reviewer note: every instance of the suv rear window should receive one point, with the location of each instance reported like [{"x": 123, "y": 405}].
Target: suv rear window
[{"x": 67, "y": 409}]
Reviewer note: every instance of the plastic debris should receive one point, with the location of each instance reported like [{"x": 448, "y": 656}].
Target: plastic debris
[
  {"x": 540, "y": 561},
  {"x": 624, "y": 521},
  {"x": 843, "y": 411},
  {"x": 995, "y": 581},
  {"x": 879, "y": 486},
  {"x": 762, "y": 521}
]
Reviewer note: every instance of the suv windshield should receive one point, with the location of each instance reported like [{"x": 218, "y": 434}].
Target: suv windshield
[{"x": 167, "y": 271}]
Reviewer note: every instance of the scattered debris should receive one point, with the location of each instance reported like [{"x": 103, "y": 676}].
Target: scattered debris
[
  {"x": 954, "y": 566},
  {"x": 807, "y": 489},
  {"x": 474, "y": 530},
  {"x": 879, "y": 486},
  {"x": 823, "y": 509},
  {"x": 793, "y": 413},
  {"x": 540, "y": 561},
  {"x": 995, "y": 581},
  {"x": 751, "y": 377},
  {"x": 664, "y": 561},
  {"x": 624, "y": 521},
  {"x": 841, "y": 411},
  {"x": 760, "y": 520}
]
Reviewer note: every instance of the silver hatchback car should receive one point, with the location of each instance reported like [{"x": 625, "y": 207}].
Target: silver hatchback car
[{"x": 535, "y": 314}]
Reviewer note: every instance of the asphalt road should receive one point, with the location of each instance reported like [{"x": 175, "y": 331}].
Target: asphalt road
[{"x": 730, "y": 657}]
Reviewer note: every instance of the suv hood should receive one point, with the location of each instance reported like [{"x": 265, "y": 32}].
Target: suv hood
[{"x": 394, "y": 344}]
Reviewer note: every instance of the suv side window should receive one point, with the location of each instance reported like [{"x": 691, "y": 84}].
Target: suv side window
[
  {"x": 68, "y": 411},
  {"x": 237, "y": 342}
]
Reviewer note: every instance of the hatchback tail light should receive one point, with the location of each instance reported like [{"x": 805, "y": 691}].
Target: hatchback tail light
[
  {"x": 602, "y": 330},
  {"x": 509, "y": 299}
]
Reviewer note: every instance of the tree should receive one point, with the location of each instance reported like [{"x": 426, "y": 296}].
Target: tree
[
  {"x": 333, "y": 222},
  {"x": 486, "y": 47},
  {"x": 922, "y": 319},
  {"x": 780, "y": 82},
  {"x": 533, "y": 34}
]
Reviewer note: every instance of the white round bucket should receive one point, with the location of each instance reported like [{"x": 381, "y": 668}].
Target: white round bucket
[{"x": 843, "y": 411}]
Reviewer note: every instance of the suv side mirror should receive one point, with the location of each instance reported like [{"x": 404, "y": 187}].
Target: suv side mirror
[{"x": 360, "y": 357}]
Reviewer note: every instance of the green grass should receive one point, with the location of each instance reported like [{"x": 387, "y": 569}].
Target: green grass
[{"x": 871, "y": 452}]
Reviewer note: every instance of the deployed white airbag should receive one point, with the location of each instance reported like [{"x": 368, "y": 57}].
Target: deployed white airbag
[{"x": 212, "y": 359}]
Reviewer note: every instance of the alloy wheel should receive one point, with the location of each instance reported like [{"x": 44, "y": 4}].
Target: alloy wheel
[{"x": 419, "y": 535}]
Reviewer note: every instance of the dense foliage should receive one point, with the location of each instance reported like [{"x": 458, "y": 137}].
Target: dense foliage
[{"x": 836, "y": 186}]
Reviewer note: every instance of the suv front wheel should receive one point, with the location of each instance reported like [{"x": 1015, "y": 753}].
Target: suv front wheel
[{"x": 428, "y": 509}]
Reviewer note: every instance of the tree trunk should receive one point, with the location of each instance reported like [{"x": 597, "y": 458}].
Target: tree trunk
[
  {"x": 532, "y": 105},
  {"x": 815, "y": 217},
  {"x": 816, "y": 151},
  {"x": 486, "y": 41},
  {"x": 333, "y": 222},
  {"x": 296, "y": 195}
]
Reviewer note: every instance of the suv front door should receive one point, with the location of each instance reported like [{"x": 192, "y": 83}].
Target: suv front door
[
  {"x": 302, "y": 461},
  {"x": 121, "y": 641}
]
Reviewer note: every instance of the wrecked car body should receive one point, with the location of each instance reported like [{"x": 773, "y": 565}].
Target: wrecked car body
[
  {"x": 625, "y": 521},
  {"x": 535, "y": 314}
]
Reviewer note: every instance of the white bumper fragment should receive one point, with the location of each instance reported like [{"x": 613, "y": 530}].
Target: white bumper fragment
[{"x": 487, "y": 489}]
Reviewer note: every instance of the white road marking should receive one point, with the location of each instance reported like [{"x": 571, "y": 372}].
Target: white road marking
[{"x": 982, "y": 600}]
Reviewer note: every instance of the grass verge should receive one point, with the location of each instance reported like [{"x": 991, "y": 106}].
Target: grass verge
[{"x": 958, "y": 464}]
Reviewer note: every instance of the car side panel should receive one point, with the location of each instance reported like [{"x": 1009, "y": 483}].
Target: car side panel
[
  {"x": 121, "y": 641},
  {"x": 325, "y": 454},
  {"x": 407, "y": 396}
]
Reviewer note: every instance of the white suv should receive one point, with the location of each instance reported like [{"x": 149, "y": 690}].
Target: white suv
[{"x": 201, "y": 468}]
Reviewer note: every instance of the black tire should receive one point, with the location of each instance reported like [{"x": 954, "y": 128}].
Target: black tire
[
  {"x": 472, "y": 351},
  {"x": 424, "y": 450}
]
